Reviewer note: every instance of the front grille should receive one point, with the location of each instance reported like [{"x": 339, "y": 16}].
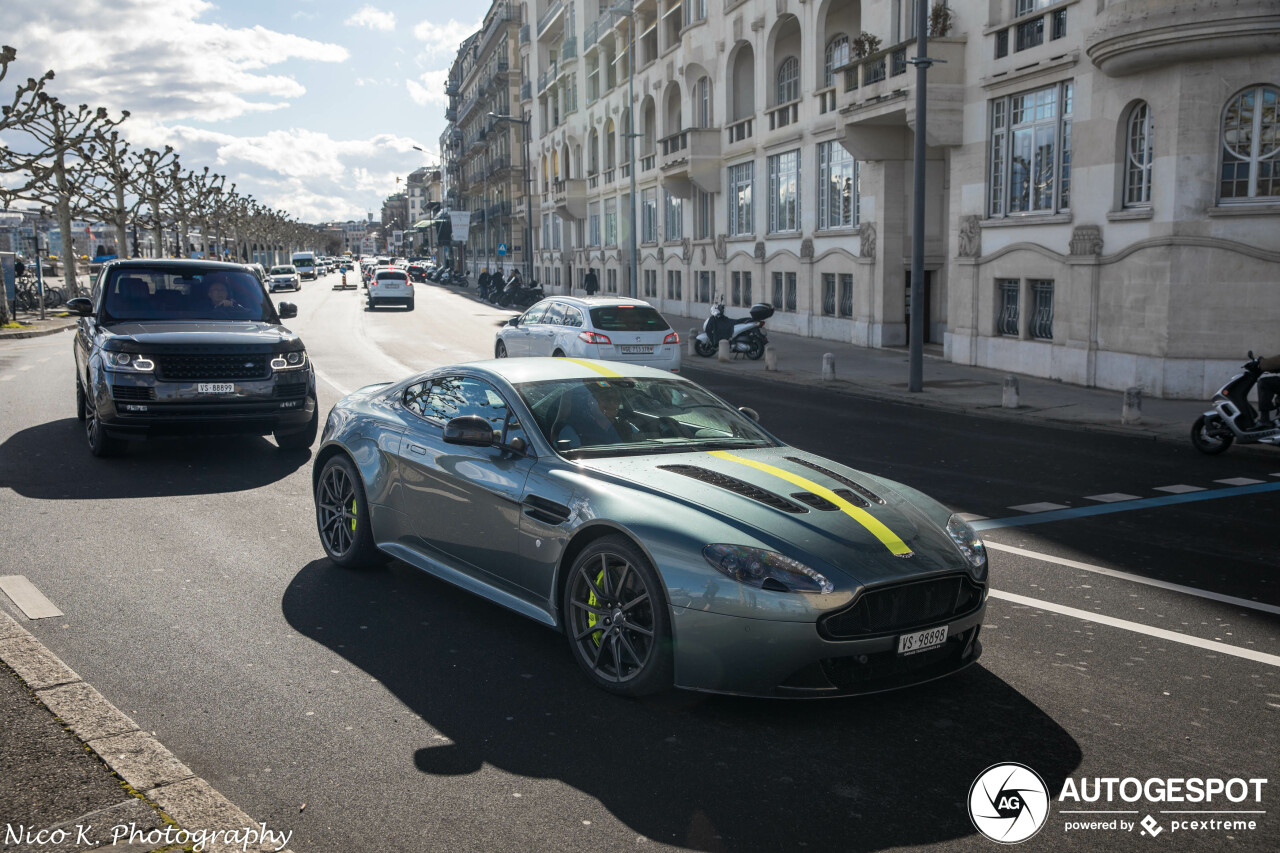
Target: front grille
[
  {"x": 232, "y": 366},
  {"x": 133, "y": 393},
  {"x": 901, "y": 607},
  {"x": 736, "y": 486},
  {"x": 883, "y": 670},
  {"x": 291, "y": 391},
  {"x": 862, "y": 490}
]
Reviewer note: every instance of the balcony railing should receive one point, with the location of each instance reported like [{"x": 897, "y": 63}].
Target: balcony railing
[
  {"x": 648, "y": 162},
  {"x": 548, "y": 16},
  {"x": 593, "y": 181},
  {"x": 569, "y": 49},
  {"x": 625, "y": 170},
  {"x": 608, "y": 176},
  {"x": 450, "y": 114},
  {"x": 546, "y": 78},
  {"x": 674, "y": 143},
  {"x": 783, "y": 115},
  {"x": 467, "y": 106},
  {"x": 595, "y": 29},
  {"x": 898, "y": 62},
  {"x": 524, "y": 34},
  {"x": 451, "y": 87},
  {"x": 526, "y": 91},
  {"x": 740, "y": 130}
]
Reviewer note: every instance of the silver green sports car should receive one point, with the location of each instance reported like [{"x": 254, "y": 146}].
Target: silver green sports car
[{"x": 671, "y": 539}]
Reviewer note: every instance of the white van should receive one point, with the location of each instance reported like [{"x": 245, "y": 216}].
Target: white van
[{"x": 306, "y": 264}]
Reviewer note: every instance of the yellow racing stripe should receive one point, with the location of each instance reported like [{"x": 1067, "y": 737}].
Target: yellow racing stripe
[
  {"x": 873, "y": 525},
  {"x": 591, "y": 365}
]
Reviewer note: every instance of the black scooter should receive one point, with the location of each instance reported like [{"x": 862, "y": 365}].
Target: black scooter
[{"x": 1233, "y": 418}]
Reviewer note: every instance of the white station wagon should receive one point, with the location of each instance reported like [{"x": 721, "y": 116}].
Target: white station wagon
[{"x": 609, "y": 328}]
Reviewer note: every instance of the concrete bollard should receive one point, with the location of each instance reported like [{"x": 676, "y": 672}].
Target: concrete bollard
[
  {"x": 692, "y": 341},
  {"x": 1132, "y": 411},
  {"x": 828, "y": 366},
  {"x": 722, "y": 350},
  {"x": 1010, "y": 398},
  {"x": 770, "y": 358}
]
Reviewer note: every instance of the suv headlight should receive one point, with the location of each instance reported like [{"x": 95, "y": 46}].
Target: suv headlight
[
  {"x": 969, "y": 543},
  {"x": 766, "y": 569},
  {"x": 128, "y": 362},
  {"x": 289, "y": 360}
]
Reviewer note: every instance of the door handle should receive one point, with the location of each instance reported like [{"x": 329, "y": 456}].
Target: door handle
[{"x": 418, "y": 449}]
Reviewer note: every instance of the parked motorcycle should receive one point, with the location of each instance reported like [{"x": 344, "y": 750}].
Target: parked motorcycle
[
  {"x": 1233, "y": 418},
  {"x": 745, "y": 334}
]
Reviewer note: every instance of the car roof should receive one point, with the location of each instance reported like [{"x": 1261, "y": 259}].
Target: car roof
[
  {"x": 176, "y": 264},
  {"x": 600, "y": 301},
  {"x": 520, "y": 370}
]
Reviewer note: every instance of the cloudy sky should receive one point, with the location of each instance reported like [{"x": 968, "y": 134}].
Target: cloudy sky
[{"x": 311, "y": 106}]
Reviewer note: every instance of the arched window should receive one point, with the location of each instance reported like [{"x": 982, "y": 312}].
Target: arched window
[
  {"x": 593, "y": 152},
  {"x": 1251, "y": 145},
  {"x": 837, "y": 56},
  {"x": 1137, "y": 157},
  {"x": 788, "y": 80}
]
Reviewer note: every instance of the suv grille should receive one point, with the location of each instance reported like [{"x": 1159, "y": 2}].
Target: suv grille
[
  {"x": 900, "y": 607},
  {"x": 230, "y": 366},
  {"x": 133, "y": 393}
]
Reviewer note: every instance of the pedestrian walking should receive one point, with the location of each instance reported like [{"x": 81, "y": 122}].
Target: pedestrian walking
[{"x": 590, "y": 283}]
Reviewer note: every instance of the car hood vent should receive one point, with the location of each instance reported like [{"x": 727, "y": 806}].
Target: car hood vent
[
  {"x": 866, "y": 495},
  {"x": 736, "y": 486}
]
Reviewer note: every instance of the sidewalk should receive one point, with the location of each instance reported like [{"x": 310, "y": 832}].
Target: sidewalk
[
  {"x": 56, "y": 319},
  {"x": 77, "y": 775},
  {"x": 882, "y": 374}
]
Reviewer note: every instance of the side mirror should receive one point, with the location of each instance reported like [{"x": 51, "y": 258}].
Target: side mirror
[
  {"x": 471, "y": 430},
  {"x": 514, "y": 321},
  {"x": 81, "y": 305},
  {"x": 750, "y": 412},
  {"x": 287, "y": 310}
]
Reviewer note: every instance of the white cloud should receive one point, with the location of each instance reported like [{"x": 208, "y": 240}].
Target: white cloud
[
  {"x": 444, "y": 38},
  {"x": 428, "y": 88},
  {"x": 157, "y": 58},
  {"x": 373, "y": 18}
]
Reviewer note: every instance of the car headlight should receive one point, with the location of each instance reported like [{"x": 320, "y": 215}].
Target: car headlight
[
  {"x": 969, "y": 543},
  {"x": 766, "y": 569},
  {"x": 289, "y": 360},
  {"x": 129, "y": 362}
]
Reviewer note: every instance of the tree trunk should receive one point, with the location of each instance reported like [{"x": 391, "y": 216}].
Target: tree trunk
[
  {"x": 122, "y": 225},
  {"x": 157, "y": 230},
  {"x": 183, "y": 240},
  {"x": 64, "y": 225}
]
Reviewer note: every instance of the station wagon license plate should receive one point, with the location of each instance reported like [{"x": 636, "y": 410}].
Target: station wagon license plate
[
  {"x": 216, "y": 387},
  {"x": 909, "y": 644},
  {"x": 635, "y": 349}
]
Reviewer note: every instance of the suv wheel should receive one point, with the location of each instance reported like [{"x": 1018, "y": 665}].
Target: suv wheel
[
  {"x": 80, "y": 404},
  {"x": 100, "y": 444}
]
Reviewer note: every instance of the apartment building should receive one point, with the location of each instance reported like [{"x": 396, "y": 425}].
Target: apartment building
[
  {"x": 1102, "y": 176},
  {"x": 483, "y": 146}
]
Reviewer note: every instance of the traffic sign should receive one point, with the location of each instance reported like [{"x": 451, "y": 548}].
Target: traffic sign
[{"x": 502, "y": 249}]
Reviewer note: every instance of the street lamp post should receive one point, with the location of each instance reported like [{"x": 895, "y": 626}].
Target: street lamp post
[
  {"x": 527, "y": 252},
  {"x": 915, "y": 377}
]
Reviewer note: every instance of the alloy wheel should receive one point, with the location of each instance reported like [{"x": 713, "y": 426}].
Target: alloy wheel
[
  {"x": 612, "y": 618},
  {"x": 337, "y": 510}
]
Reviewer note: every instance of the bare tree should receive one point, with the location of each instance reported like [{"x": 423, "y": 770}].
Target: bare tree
[{"x": 151, "y": 184}]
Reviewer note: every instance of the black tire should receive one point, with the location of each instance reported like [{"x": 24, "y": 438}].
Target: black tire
[
  {"x": 704, "y": 348},
  {"x": 500, "y": 350},
  {"x": 299, "y": 439},
  {"x": 80, "y": 403},
  {"x": 100, "y": 444},
  {"x": 1210, "y": 445},
  {"x": 757, "y": 348},
  {"x": 558, "y": 354},
  {"x": 342, "y": 516},
  {"x": 615, "y": 608},
  {"x": 410, "y": 305},
  {"x": 371, "y": 305}
]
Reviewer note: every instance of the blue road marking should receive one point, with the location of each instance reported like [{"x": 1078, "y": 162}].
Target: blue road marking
[{"x": 1123, "y": 506}]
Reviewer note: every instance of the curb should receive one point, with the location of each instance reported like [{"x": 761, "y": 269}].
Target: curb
[
  {"x": 133, "y": 755},
  {"x": 13, "y": 335}
]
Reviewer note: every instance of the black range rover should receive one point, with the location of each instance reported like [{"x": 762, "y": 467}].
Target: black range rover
[{"x": 171, "y": 346}]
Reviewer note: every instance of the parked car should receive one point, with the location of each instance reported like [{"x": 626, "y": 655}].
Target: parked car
[
  {"x": 670, "y": 538},
  {"x": 285, "y": 276},
  {"x": 182, "y": 346},
  {"x": 612, "y": 328},
  {"x": 390, "y": 285}
]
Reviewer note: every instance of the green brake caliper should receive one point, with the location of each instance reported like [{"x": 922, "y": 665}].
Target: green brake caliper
[
  {"x": 593, "y": 601},
  {"x": 353, "y": 515}
]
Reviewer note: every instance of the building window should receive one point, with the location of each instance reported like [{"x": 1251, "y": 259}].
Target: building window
[
  {"x": 741, "y": 220},
  {"x": 611, "y": 222},
  {"x": 1137, "y": 172},
  {"x": 1007, "y": 322},
  {"x": 557, "y": 277},
  {"x": 1042, "y": 318},
  {"x": 555, "y": 231},
  {"x": 837, "y": 56},
  {"x": 701, "y": 214},
  {"x": 1058, "y": 25},
  {"x": 1251, "y": 146},
  {"x": 697, "y": 10},
  {"x": 788, "y": 80},
  {"x": 837, "y": 187},
  {"x": 784, "y": 291},
  {"x": 593, "y": 220},
  {"x": 651, "y": 284},
  {"x": 649, "y": 216},
  {"x": 673, "y": 284},
  {"x": 1031, "y": 151},
  {"x": 1002, "y": 44},
  {"x": 702, "y": 103},
  {"x": 1026, "y": 7},
  {"x": 784, "y": 192},
  {"x": 828, "y": 294},
  {"x": 846, "y": 294},
  {"x": 1030, "y": 34},
  {"x": 706, "y": 285},
  {"x": 674, "y": 224},
  {"x": 741, "y": 289}
]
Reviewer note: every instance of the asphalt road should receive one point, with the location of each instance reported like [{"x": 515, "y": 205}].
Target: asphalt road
[{"x": 407, "y": 715}]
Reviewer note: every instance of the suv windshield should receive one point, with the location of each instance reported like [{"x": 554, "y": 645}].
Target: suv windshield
[
  {"x": 628, "y": 318},
  {"x": 616, "y": 417},
  {"x": 164, "y": 294},
  {"x": 283, "y": 270}
]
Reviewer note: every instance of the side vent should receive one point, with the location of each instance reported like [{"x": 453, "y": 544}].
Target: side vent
[
  {"x": 816, "y": 501},
  {"x": 867, "y": 494},
  {"x": 737, "y": 486}
]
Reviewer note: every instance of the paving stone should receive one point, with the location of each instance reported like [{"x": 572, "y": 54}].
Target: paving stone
[
  {"x": 38, "y": 666},
  {"x": 86, "y": 711},
  {"x": 140, "y": 760}
]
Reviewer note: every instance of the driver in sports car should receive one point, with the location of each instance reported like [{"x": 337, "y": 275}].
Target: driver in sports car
[{"x": 595, "y": 418}]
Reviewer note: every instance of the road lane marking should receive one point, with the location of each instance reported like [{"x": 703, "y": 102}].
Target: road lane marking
[
  {"x": 6, "y": 378},
  {"x": 1239, "y": 481},
  {"x": 30, "y": 600},
  {"x": 1116, "y": 573},
  {"x": 1043, "y": 506},
  {"x": 1180, "y": 489},
  {"x": 1125, "y": 506},
  {"x": 1111, "y": 497},
  {"x": 324, "y": 377},
  {"x": 1139, "y": 628}
]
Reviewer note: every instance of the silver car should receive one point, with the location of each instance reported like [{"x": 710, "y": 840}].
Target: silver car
[
  {"x": 282, "y": 277},
  {"x": 610, "y": 328}
]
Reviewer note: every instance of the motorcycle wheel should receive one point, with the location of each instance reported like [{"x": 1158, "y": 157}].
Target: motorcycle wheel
[
  {"x": 1207, "y": 443},
  {"x": 757, "y": 348},
  {"x": 706, "y": 349}
]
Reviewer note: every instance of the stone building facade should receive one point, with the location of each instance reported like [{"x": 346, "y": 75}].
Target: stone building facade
[{"x": 1102, "y": 176}]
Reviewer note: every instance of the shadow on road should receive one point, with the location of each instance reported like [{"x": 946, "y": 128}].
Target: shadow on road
[
  {"x": 704, "y": 772},
  {"x": 51, "y": 461}
]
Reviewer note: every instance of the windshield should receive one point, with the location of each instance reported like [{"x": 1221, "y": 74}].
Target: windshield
[
  {"x": 303, "y": 262},
  {"x": 283, "y": 270},
  {"x": 160, "y": 294},
  {"x": 628, "y": 318},
  {"x": 617, "y": 417}
]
